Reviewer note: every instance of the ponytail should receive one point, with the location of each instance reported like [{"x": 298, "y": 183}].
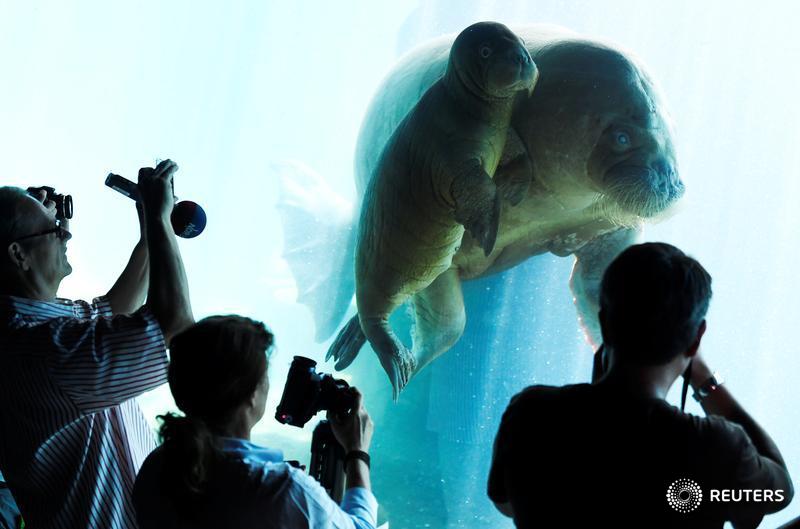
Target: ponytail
[{"x": 191, "y": 455}]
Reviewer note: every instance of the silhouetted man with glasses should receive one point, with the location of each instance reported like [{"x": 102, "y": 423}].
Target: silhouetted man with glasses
[
  {"x": 614, "y": 453},
  {"x": 71, "y": 436}
]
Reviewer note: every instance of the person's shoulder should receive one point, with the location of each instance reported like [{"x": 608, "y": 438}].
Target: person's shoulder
[
  {"x": 546, "y": 401},
  {"x": 148, "y": 480},
  {"x": 152, "y": 464},
  {"x": 296, "y": 475},
  {"x": 270, "y": 477},
  {"x": 279, "y": 480},
  {"x": 37, "y": 310},
  {"x": 708, "y": 426},
  {"x": 717, "y": 430},
  {"x": 541, "y": 394},
  {"x": 155, "y": 456},
  {"x": 713, "y": 432}
]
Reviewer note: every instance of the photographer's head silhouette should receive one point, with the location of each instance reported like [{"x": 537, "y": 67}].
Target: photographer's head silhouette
[{"x": 653, "y": 302}]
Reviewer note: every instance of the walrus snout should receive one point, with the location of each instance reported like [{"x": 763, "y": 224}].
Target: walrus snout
[
  {"x": 522, "y": 56},
  {"x": 528, "y": 72},
  {"x": 671, "y": 182},
  {"x": 514, "y": 70},
  {"x": 644, "y": 190},
  {"x": 666, "y": 172}
]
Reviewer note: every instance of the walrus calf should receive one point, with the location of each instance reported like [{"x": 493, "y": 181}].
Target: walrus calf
[{"x": 433, "y": 181}]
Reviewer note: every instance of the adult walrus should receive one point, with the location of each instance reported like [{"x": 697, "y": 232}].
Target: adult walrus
[{"x": 594, "y": 141}]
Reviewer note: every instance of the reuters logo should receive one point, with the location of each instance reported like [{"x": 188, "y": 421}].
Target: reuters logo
[{"x": 684, "y": 495}]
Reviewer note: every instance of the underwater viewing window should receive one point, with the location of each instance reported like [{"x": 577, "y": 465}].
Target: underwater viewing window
[{"x": 270, "y": 107}]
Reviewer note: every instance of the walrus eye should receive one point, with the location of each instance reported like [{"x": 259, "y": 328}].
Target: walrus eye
[
  {"x": 485, "y": 51},
  {"x": 623, "y": 139}
]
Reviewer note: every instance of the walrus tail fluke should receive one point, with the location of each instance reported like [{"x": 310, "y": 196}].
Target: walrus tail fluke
[{"x": 318, "y": 243}]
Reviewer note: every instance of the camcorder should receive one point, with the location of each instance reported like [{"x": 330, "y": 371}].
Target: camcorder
[
  {"x": 63, "y": 202},
  {"x": 305, "y": 394}
]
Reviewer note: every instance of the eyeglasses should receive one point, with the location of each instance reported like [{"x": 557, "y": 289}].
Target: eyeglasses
[{"x": 62, "y": 233}]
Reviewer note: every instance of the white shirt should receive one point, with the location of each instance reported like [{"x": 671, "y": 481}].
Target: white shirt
[{"x": 254, "y": 490}]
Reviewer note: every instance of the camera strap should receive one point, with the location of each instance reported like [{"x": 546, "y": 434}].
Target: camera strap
[{"x": 687, "y": 375}]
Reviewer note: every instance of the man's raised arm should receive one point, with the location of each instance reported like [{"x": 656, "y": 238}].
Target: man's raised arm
[
  {"x": 130, "y": 290},
  {"x": 168, "y": 292}
]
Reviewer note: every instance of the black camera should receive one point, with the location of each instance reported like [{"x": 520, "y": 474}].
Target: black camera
[
  {"x": 308, "y": 392},
  {"x": 63, "y": 202}
]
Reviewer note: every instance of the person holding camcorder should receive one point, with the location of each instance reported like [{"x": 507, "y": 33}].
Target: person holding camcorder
[
  {"x": 208, "y": 473},
  {"x": 71, "y": 437}
]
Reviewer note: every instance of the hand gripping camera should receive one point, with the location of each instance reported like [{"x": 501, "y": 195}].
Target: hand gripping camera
[
  {"x": 63, "y": 202},
  {"x": 305, "y": 394}
]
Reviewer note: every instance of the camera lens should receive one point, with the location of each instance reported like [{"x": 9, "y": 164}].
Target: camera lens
[
  {"x": 307, "y": 392},
  {"x": 66, "y": 206},
  {"x": 300, "y": 394},
  {"x": 63, "y": 202}
]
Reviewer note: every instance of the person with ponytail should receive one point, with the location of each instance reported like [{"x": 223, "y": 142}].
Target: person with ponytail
[{"x": 208, "y": 474}]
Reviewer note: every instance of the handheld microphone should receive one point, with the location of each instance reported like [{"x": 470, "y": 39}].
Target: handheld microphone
[
  {"x": 124, "y": 186},
  {"x": 188, "y": 218}
]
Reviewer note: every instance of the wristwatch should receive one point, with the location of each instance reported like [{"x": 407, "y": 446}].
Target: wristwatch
[
  {"x": 707, "y": 387},
  {"x": 357, "y": 454}
]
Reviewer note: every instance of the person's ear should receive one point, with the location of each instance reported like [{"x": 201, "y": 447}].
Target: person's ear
[
  {"x": 252, "y": 402},
  {"x": 18, "y": 256},
  {"x": 692, "y": 351}
]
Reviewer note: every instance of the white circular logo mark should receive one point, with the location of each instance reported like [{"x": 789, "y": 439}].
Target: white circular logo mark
[{"x": 684, "y": 495}]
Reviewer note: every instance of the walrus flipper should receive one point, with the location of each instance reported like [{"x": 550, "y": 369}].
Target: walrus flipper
[
  {"x": 439, "y": 317},
  {"x": 514, "y": 179},
  {"x": 515, "y": 172},
  {"x": 477, "y": 204},
  {"x": 347, "y": 344},
  {"x": 398, "y": 362}
]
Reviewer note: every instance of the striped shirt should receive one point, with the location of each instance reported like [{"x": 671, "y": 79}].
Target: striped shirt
[{"x": 71, "y": 438}]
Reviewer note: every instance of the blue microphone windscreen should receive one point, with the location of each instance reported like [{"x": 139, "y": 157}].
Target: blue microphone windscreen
[{"x": 188, "y": 219}]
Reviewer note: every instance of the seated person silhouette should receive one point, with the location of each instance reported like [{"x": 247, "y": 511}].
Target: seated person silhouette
[
  {"x": 614, "y": 453},
  {"x": 208, "y": 474}
]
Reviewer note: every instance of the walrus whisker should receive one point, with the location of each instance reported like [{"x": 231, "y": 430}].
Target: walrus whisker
[{"x": 641, "y": 190}]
